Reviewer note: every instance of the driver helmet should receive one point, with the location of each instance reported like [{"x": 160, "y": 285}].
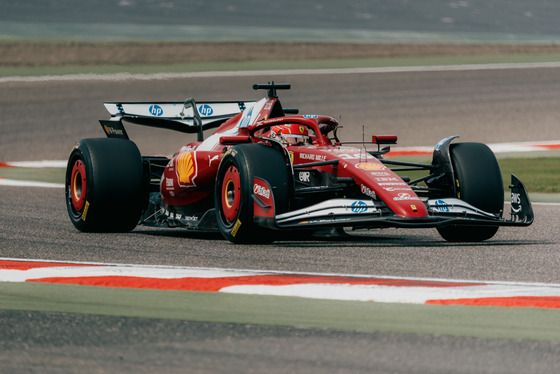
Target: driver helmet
[{"x": 290, "y": 134}]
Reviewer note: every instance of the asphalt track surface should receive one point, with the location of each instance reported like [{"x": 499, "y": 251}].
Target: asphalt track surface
[
  {"x": 43, "y": 120},
  {"x": 508, "y": 20}
]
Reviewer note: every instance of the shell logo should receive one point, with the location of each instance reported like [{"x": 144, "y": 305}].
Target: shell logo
[
  {"x": 370, "y": 166},
  {"x": 186, "y": 168}
]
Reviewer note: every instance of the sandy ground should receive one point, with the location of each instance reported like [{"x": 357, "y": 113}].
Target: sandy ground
[{"x": 132, "y": 53}]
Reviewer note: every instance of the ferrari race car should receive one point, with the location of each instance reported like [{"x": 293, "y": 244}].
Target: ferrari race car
[{"x": 266, "y": 170}]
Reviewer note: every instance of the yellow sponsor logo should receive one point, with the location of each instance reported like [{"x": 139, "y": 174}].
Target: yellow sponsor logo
[
  {"x": 186, "y": 168},
  {"x": 231, "y": 151},
  {"x": 369, "y": 166},
  {"x": 84, "y": 213},
  {"x": 235, "y": 228}
]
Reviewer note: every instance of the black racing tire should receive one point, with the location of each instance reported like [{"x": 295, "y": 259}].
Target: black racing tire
[
  {"x": 105, "y": 189},
  {"x": 478, "y": 180},
  {"x": 234, "y": 187}
]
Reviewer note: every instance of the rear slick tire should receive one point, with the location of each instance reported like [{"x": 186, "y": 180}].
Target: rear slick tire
[
  {"x": 478, "y": 181},
  {"x": 104, "y": 185}
]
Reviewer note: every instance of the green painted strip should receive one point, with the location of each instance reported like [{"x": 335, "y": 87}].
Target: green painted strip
[
  {"x": 483, "y": 322},
  {"x": 12, "y": 30},
  {"x": 48, "y": 175}
]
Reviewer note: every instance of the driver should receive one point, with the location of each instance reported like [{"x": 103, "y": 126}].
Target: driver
[{"x": 292, "y": 134}]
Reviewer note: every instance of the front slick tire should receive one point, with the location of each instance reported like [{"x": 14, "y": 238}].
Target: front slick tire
[
  {"x": 104, "y": 185},
  {"x": 479, "y": 182},
  {"x": 234, "y": 188}
]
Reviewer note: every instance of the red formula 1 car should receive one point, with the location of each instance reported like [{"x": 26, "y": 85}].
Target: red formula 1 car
[{"x": 266, "y": 170}]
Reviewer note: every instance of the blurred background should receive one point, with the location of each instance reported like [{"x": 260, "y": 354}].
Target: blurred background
[{"x": 534, "y": 21}]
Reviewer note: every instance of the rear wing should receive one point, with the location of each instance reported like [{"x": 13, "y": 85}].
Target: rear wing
[{"x": 187, "y": 117}]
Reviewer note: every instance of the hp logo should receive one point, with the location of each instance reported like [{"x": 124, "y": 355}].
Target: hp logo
[
  {"x": 205, "y": 110},
  {"x": 359, "y": 207},
  {"x": 156, "y": 110},
  {"x": 442, "y": 206}
]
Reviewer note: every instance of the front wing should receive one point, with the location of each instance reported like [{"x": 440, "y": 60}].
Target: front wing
[{"x": 373, "y": 214}]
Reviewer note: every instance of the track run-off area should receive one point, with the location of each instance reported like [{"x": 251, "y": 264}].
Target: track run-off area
[{"x": 439, "y": 304}]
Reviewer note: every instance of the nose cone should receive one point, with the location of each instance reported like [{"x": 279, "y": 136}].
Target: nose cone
[{"x": 408, "y": 206}]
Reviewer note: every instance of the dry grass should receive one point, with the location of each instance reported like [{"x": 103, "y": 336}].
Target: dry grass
[{"x": 135, "y": 53}]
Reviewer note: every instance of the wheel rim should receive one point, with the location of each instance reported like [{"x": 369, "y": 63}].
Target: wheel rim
[
  {"x": 231, "y": 194},
  {"x": 78, "y": 185}
]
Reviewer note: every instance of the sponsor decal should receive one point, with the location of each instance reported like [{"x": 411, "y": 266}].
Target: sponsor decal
[
  {"x": 84, "y": 213},
  {"x": 304, "y": 176},
  {"x": 366, "y": 191},
  {"x": 441, "y": 206},
  {"x": 380, "y": 173},
  {"x": 187, "y": 148},
  {"x": 353, "y": 156},
  {"x": 414, "y": 208},
  {"x": 205, "y": 110},
  {"x": 156, "y": 110},
  {"x": 235, "y": 228},
  {"x": 312, "y": 157},
  {"x": 261, "y": 191},
  {"x": 393, "y": 189},
  {"x": 349, "y": 154},
  {"x": 231, "y": 151},
  {"x": 179, "y": 217},
  {"x": 516, "y": 202},
  {"x": 186, "y": 168},
  {"x": 340, "y": 150},
  {"x": 210, "y": 159},
  {"x": 246, "y": 118},
  {"x": 388, "y": 179},
  {"x": 405, "y": 196},
  {"x": 370, "y": 166},
  {"x": 394, "y": 184},
  {"x": 310, "y": 116},
  {"x": 268, "y": 105},
  {"x": 274, "y": 120},
  {"x": 324, "y": 220},
  {"x": 302, "y": 129},
  {"x": 168, "y": 182},
  {"x": 442, "y": 142},
  {"x": 359, "y": 206},
  {"x": 113, "y": 131}
]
